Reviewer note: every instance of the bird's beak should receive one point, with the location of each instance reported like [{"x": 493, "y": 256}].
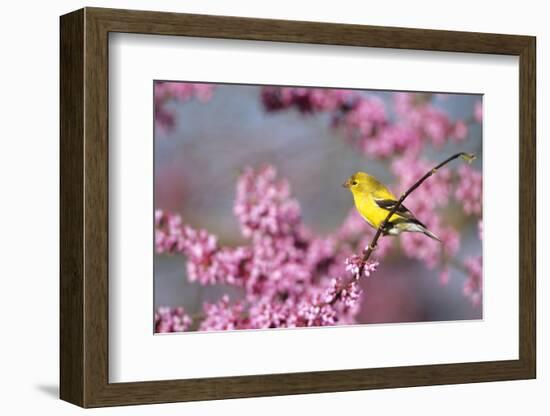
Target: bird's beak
[{"x": 346, "y": 184}]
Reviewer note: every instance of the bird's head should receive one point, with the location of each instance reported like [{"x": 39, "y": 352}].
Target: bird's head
[{"x": 359, "y": 182}]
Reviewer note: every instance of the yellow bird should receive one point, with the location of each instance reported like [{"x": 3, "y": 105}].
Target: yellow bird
[{"x": 374, "y": 202}]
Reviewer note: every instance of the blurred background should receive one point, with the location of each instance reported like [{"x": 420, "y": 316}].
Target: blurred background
[{"x": 203, "y": 142}]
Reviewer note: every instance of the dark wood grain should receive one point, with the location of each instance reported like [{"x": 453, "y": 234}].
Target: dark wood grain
[
  {"x": 96, "y": 208},
  {"x": 84, "y": 207},
  {"x": 527, "y": 208},
  {"x": 71, "y": 218},
  {"x": 227, "y": 27}
]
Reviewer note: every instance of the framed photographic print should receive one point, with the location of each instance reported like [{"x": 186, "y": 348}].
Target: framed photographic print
[{"x": 256, "y": 207}]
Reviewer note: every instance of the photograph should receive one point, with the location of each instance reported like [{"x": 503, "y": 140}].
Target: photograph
[{"x": 269, "y": 199}]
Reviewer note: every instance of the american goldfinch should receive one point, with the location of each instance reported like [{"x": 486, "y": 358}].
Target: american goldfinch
[{"x": 374, "y": 201}]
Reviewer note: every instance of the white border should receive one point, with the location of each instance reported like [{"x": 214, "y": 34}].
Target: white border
[{"x": 136, "y": 355}]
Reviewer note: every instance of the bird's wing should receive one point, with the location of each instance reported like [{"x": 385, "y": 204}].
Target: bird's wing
[{"x": 401, "y": 211}]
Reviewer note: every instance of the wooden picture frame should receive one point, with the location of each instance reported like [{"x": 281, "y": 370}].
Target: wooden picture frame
[{"x": 84, "y": 207}]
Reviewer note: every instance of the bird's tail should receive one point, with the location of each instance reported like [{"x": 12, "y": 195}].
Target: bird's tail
[
  {"x": 427, "y": 232},
  {"x": 414, "y": 226}
]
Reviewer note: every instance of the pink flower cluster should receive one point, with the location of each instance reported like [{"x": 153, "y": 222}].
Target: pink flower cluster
[
  {"x": 416, "y": 111},
  {"x": 353, "y": 265},
  {"x": 165, "y": 92},
  {"x": 223, "y": 316},
  {"x": 367, "y": 123},
  {"x": 172, "y": 320},
  {"x": 478, "y": 112},
  {"x": 207, "y": 263},
  {"x": 424, "y": 203},
  {"x": 306, "y": 100},
  {"x": 473, "y": 286},
  {"x": 263, "y": 205},
  {"x": 469, "y": 191},
  {"x": 336, "y": 304},
  {"x": 285, "y": 273},
  {"x": 434, "y": 195}
]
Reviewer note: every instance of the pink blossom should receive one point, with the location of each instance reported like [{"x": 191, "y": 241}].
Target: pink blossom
[
  {"x": 263, "y": 204},
  {"x": 391, "y": 140},
  {"x": 423, "y": 203},
  {"x": 435, "y": 191},
  {"x": 276, "y": 270},
  {"x": 473, "y": 286},
  {"x": 437, "y": 125},
  {"x": 469, "y": 191},
  {"x": 478, "y": 111},
  {"x": 366, "y": 121},
  {"x": 169, "y": 233},
  {"x": 171, "y": 320},
  {"x": 366, "y": 116},
  {"x": 314, "y": 314},
  {"x": 450, "y": 239},
  {"x": 331, "y": 99},
  {"x": 418, "y": 246},
  {"x": 417, "y": 111},
  {"x": 353, "y": 265},
  {"x": 321, "y": 252},
  {"x": 404, "y": 102},
  {"x": 268, "y": 314},
  {"x": 207, "y": 263},
  {"x": 222, "y": 316},
  {"x": 284, "y": 256},
  {"x": 337, "y": 303},
  {"x": 460, "y": 130},
  {"x": 350, "y": 294},
  {"x": 305, "y": 100},
  {"x": 166, "y": 92},
  {"x": 315, "y": 310}
]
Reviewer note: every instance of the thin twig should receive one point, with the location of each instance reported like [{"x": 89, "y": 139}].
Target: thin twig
[
  {"x": 368, "y": 251},
  {"x": 372, "y": 246}
]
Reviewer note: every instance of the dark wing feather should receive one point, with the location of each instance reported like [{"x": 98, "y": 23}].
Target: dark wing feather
[{"x": 402, "y": 211}]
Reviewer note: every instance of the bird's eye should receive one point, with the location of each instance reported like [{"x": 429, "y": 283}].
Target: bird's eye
[{"x": 354, "y": 183}]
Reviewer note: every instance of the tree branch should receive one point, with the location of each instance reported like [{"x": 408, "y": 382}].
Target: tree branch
[
  {"x": 370, "y": 248},
  {"x": 368, "y": 251}
]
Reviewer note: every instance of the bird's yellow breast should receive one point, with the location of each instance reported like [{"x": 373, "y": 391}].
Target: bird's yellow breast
[{"x": 370, "y": 210}]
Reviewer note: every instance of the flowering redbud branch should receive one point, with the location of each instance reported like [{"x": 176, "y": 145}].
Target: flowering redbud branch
[
  {"x": 468, "y": 157},
  {"x": 371, "y": 247}
]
